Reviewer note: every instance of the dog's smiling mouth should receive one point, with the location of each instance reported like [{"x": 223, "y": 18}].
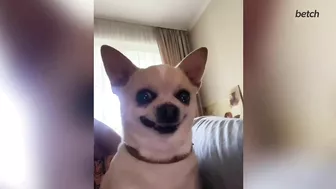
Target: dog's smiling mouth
[{"x": 162, "y": 129}]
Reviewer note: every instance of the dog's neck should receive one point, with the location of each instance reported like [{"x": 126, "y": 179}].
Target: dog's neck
[{"x": 135, "y": 153}]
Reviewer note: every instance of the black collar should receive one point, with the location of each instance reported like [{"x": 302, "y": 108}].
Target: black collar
[{"x": 135, "y": 153}]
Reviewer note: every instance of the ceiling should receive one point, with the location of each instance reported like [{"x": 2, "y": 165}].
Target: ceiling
[{"x": 175, "y": 14}]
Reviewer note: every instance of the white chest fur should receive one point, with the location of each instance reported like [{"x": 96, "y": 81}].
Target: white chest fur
[{"x": 127, "y": 172}]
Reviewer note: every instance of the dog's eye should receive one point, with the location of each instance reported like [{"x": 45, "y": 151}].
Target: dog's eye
[
  {"x": 183, "y": 96},
  {"x": 145, "y": 96}
]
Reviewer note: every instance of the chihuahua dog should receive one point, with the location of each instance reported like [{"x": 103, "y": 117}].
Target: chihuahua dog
[{"x": 158, "y": 105}]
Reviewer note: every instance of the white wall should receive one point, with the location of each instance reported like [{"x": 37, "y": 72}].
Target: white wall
[{"x": 220, "y": 29}]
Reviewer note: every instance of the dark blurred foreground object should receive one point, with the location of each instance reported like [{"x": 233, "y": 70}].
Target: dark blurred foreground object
[
  {"x": 292, "y": 145},
  {"x": 51, "y": 71}
]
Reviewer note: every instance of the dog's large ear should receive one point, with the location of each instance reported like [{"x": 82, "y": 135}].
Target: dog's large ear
[
  {"x": 193, "y": 65},
  {"x": 117, "y": 66}
]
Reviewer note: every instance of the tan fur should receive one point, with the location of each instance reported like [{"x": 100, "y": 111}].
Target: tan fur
[{"x": 126, "y": 172}]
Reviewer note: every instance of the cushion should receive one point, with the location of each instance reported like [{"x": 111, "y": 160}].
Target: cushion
[{"x": 218, "y": 144}]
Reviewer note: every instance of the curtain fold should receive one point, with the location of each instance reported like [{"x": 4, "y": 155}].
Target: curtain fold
[{"x": 174, "y": 45}]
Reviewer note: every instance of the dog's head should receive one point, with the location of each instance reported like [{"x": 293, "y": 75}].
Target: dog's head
[{"x": 158, "y": 103}]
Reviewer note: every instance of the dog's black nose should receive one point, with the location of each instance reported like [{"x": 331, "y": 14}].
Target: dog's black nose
[{"x": 167, "y": 113}]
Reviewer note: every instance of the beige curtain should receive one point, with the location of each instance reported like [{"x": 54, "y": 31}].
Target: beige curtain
[{"x": 174, "y": 45}]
